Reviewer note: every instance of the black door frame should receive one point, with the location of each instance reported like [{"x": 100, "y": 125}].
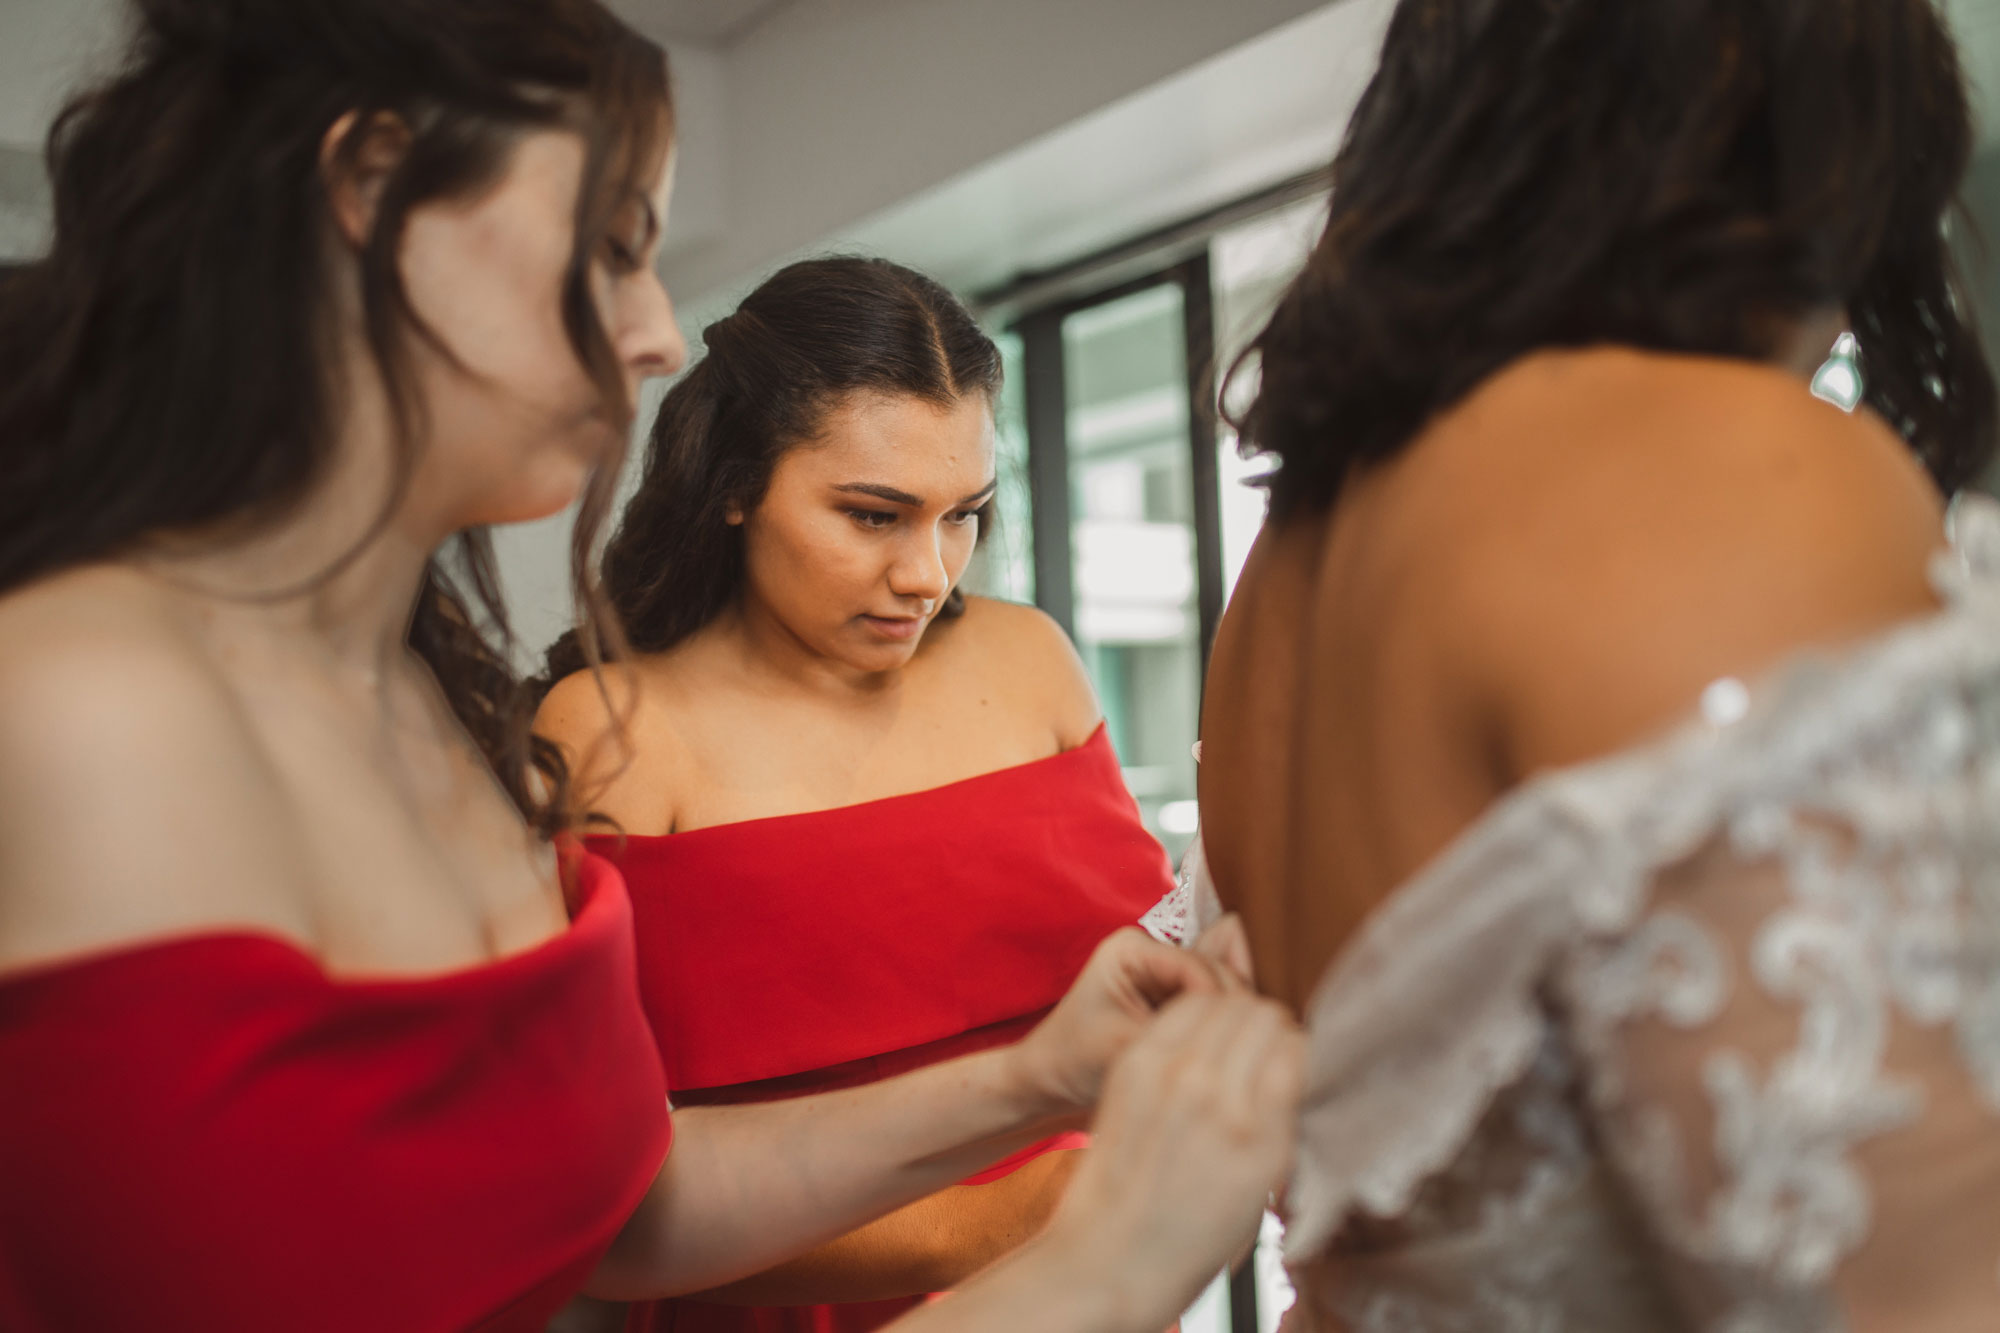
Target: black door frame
[{"x": 1045, "y": 388}]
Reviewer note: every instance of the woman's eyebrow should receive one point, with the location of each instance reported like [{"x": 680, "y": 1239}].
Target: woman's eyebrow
[
  {"x": 894, "y": 496},
  {"x": 889, "y": 493}
]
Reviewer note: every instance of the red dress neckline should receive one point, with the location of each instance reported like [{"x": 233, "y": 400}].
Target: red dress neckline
[
  {"x": 1100, "y": 737},
  {"x": 776, "y": 946},
  {"x": 826, "y": 948},
  {"x": 212, "y": 1132},
  {"x": 593, "y": 912}
]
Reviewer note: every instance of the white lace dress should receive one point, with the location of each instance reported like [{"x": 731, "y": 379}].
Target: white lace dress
[{"x": 1705, "y": 1035}]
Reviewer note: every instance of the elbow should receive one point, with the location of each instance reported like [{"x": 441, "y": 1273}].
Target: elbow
[
  {"x": 1020, "y": 1208},
  {"x": 623, "y": 1274}
]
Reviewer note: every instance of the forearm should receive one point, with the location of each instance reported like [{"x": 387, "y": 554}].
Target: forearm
[
  {"x": 1051, "y": 1285},
  {"x": 891, "y": 1257},
  {"x": 748, "y": 1187},
  {"x": 935, "y": 1244}
]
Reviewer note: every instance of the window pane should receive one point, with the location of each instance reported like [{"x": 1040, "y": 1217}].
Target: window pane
[
  {"x": 1250, "y": 266},
  {"x": 1131, "y": 490},
  {"x": 1004, "y": 566}
]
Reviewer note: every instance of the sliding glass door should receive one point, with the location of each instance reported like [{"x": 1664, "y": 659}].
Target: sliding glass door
[
  {"x": 1139, "y": 516},
  {"x": 1125, "y": 516}
]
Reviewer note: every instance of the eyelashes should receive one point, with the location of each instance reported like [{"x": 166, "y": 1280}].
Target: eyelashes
[
  {"x": 879, "y": 520},
  {"x": 623, "y": 258}
]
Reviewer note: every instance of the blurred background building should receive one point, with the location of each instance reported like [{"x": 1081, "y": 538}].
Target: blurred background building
[{"x": 1120, "y": 187}]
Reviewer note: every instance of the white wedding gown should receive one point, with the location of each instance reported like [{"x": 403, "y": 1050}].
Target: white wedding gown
[{"x": 1704, "y": 1035}]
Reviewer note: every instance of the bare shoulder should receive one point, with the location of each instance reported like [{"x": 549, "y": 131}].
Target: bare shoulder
[
  {"x": 134, "y": 798},
  {"x": 1021, "y": 651},
  {"x": 1605, "y": 532},
  {"x": 586, "y": 711},
  {"x": 615, "y": 730}
]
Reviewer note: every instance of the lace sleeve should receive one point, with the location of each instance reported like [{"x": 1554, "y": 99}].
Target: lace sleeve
[
  {"x": 1190, "y": 907},
  {"x": 1794, "y": 1050},
  {"x": 1774, "y": 939}
]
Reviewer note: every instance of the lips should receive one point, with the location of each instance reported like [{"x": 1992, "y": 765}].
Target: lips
[{"x": 895, "y": 627}]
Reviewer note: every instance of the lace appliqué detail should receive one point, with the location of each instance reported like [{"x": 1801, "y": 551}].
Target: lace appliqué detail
[
  {"x": 1863, "y": 795},
  {"x": 1881, "y": 918},
  {"x": 1171, "y": 920},
  {"x": 1191, "y": 907}
]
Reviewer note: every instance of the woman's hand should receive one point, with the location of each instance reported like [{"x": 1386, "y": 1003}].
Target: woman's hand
[
  {"x": 1118, "y": 993},
  {"x": 1195, "y": 1132}
]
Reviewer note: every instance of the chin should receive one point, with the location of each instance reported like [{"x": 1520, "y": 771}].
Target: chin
[
  {"x": 525, "y": 510},
  {"x": 542, "y": 491},
  {"x": 881, "y": 657}
]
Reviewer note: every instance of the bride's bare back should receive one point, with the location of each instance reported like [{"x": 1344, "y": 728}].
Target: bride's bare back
[{"x": 1551, "y": 571}]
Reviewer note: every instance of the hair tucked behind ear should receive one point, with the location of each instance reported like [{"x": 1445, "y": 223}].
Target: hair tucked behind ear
[
  {"x": 1682, "y": 175},
  {"x": 810, "y": 336},
  {"x": 167, "y": 365}
]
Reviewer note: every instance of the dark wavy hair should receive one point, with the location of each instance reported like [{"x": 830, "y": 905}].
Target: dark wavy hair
[
  {"x": 167, "y": 364},
  {"x": 811, "y": 336},
  {"x": 1680, "y": 175}
]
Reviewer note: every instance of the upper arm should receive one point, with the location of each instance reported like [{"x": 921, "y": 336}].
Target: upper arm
[
  {"x": 1028, "y": 650},
  {"x": 1617, "y": 571},
  {"x": 586, "y": 714},
  {"x": 134, "y": 799}
]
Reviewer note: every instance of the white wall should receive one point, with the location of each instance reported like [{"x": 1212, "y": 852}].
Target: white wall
[
  {"x": 24, "y": 204},
  {"x": 46, "y": 48}
]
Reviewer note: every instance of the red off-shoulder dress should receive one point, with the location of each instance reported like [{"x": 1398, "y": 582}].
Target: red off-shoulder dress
[
  {"x": 790, "y": 955},
  {"x": 209, "y": 1133}
]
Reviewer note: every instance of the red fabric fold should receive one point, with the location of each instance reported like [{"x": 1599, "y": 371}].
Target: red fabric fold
[
  {"x": 803, "y": 953},
  {"x": 777, "y": 946},
  {"x": 211, "y": 1133}
]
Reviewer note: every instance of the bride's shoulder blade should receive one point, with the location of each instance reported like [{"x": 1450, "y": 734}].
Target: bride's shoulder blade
[{"x": 1606, "y": 532}]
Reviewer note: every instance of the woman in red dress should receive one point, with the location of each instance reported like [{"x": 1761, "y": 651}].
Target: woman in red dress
[
  {"x": 868, "y": 822},
  {"x": 309, "y": 1018}
]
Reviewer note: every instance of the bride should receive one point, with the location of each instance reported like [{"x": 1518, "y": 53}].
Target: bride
[{"x": 1603, "y": 744}]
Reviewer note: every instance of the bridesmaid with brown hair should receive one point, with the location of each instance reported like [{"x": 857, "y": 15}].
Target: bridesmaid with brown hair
[{"x": 868, "y": 821}]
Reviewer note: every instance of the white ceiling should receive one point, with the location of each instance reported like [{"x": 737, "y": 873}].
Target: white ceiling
[
  {"x": 49, "y": 46},
  {"x": 706, "y": 22},
  {"x": 1261, "y": 112}
]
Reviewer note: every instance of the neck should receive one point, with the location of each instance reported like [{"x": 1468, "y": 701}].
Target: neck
[
  {"x": 770, "y": 649},
  {"x": 334, "y": 578},
  {"x": 355, "y": 620}
]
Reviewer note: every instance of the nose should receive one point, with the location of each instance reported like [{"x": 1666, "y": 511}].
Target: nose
[
  {"x": 919, "y": 571},
  {"x": 650, "y": 340}
]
